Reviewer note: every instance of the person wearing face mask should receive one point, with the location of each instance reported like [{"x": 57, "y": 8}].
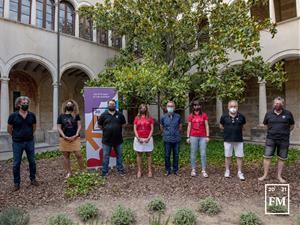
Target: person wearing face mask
[
  {"x": 171, "y": 126},
  {"x": 143, "y": 141},
  {"x": 21, "y": 126},
  {"x": 280, "y": 122},
  {"x": 111, "y": 123},
  {"x": 197, "y": 136},
  {"x": 232, "y": 124},
  {"x": 69, "y": 126}
]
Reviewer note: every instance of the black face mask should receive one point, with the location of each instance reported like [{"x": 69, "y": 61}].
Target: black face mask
[
  {"x": 197, "y": 109},
  {"x": 24, "y": 107},
  {"x": 70, "y": 108},
  {"x": 278, "y": 107},
  {"x": 112, "y": 108}
]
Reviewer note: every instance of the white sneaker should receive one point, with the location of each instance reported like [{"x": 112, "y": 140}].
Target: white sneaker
[
  {"x": 204, "y": 174},
  {"x": 193, "y": 173},
  {"x": 227, "y": 173},
  {"x": 68, "y": 175},
  {"x": 241, "y": 176}
]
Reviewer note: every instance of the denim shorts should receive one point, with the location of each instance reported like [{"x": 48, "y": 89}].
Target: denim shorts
[{"x": 280, "y": 146}]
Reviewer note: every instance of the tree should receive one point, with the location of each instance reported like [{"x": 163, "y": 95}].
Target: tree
[{"x": 174, "y": 47}]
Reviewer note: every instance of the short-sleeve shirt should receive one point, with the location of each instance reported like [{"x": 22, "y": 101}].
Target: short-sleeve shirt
[
  {"x": 279, "y": 125},
  {"x": 198, "y": 124},
  {"x": 69, "y": 124},
  {"x": 143, "y": 126},
  {"x": 22, "y": 128},
  {"x": 170, "y": 123},
  {"x": 233, "y": 127},
  {"x": 112, "y": 128}
]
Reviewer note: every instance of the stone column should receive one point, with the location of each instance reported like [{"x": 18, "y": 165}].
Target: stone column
[
  {"x": 4, "y": 101},
  {"x": 219, "y": 110},
  {"x": 262, "y": 108},
  {"x": 6, "y": 9},
  {"x": 109, "y": 38},
  {"x": 76, "y": 24},
  {"x": 272, "y": 11},
  {"x": 298, "y": 8},
  {"x": 123, "y": 42},
  {"x": 55, "y": 104},
  {"x": 33, "y": 13},
  {"x": 94, "y": 35}
]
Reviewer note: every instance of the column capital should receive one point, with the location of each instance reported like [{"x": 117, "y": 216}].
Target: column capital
[
  {"x": 261, "y": 81},
  {"x": 4, "y": 79},
  {"x": 56, "y": 84}
]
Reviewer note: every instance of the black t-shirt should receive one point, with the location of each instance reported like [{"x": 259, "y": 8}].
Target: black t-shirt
[
  {"x": 68, "y": 124},
  {"x": 233, "y": 127},
  {"x": 279, "y": 125},
  {"x": 112, "y": 128},
  {"x": 22, "y": 128}
]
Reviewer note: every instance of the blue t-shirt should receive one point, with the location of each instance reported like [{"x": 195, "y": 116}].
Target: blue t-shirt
[{"x": 170, "y": 123}]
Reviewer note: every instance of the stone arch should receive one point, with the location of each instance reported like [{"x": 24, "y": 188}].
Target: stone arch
[
  {"x": 284, "y": 55},
  {"x": 2, "y": 66},
  {"x": 88, "y": 71},
  {"x": 84, "y": 3},
  {"x": 31, "y": 57}
]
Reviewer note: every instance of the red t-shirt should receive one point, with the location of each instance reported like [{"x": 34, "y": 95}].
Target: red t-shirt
[
  {"x": 143, "y": 126},
  {"x": 198, "y": 125}
]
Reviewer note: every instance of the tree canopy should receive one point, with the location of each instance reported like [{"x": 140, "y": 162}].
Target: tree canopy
[{"x": 174, "y": 47}]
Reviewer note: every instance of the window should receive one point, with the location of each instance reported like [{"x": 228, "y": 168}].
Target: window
[
  {"x": 1, "y": 7},
  {"x": 116, "y": 41},
  {"x": 45, "y": 10},
  {"x": 260, "y": 11},
  {"x": 102, "y": 36},
  {"x": 203, "y": 31},
  {"x": 67, "y": 18},
  {"x": 20, "y": 10},
  {"x": 86, "y": 28},
  {"x": 285, "y": 9}
]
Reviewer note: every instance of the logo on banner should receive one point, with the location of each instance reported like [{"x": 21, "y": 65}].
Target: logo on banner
[{"x": 277, "y": 199}]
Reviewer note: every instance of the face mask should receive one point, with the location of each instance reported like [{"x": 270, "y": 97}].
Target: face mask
[
  {"x": 111, "y": 108},
  {"x": 24, "y": 107},
  {"x": 170, "y": 109},
  {"x": 143, "y": 111},
  {"x": 278, "y": 107},
  {"x": 197, "y": 108},
  {"x": 232, "y": 110},
  {"x": 70, "y": 108}
]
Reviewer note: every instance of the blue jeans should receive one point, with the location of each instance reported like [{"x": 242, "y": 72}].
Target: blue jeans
[
  {"x": 171, "y": 147},
  {"x": 18, "y": 148},
  {"x": 197, "y": 142},
  {"x": 106, "y": 155}
]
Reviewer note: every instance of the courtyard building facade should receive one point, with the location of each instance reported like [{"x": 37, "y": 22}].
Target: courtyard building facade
[{"x": 29, "y": 63}]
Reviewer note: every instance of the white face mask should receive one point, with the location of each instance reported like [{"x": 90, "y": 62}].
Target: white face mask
[
  {"x": 232, "y": 110},
  {"x": 170, "y": 109}
]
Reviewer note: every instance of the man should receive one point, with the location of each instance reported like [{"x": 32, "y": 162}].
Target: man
[
  {"x": 232, "y": 124},
  {"x": 279, "y": 122},
  {"x": 21, "y": 126},
  {"x": 111, "y": 123},
  {"x": 171, "y": 127}
]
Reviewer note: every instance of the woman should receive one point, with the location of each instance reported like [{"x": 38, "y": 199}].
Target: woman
[
  {"x": 197, "y": 136},
  {"x": 143, "y": 141},
  {"x": 69, "y": 126}
]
